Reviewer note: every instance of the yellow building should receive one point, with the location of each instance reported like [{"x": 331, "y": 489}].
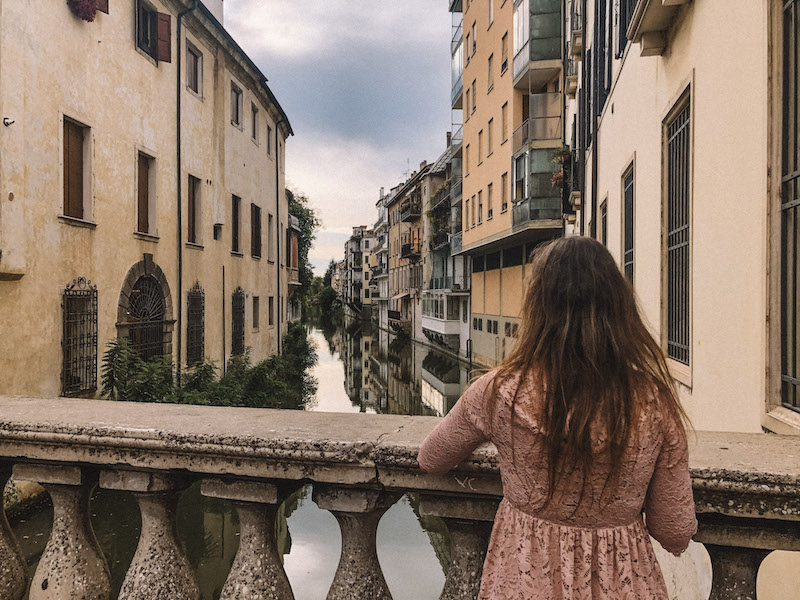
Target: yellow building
[
  {"x": 507, "y": 84},
  {"x": 141, "y": 192}
]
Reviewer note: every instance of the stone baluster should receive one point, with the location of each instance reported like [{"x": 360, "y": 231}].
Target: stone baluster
[
  {"x": 734, "y": 571},
  {"x": 257, "y": 571},
  {"x": 72, "y": 564},
  {"x": 358, "y": 512},
  {"x": 13, "y": 576},
  {"x": 160, "y": 569},
  {"x": 469, "y": 521}
]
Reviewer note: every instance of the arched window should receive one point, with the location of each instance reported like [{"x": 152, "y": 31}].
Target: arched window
[
  {"x": 79, "y": 341},
  {"x": 195, "y": 325},
  {"x": 145, "y": 319},
  {"x": 237, "y": 325}
]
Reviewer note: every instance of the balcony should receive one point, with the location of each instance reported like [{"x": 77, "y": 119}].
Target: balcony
[
  {"x": 539, "y": 212},
  {"x": 456, "y": 189},
  {"x": 410, "y": 211},
  {"x": 543, "y": 126},
  {"x": 456, "y": 242},
  {"x": 457, "y": 138},
  {"x": 440, "y": 240},
  {"x": 539, "y": 59},
  {"x": 456, "y": 93},
  {"x": 746, "y": 493},
  {"x": 571, "y": 82},
  {"x": 442, "y": 196},
  {"x": 410, "y": 251},
  {"x": 293, "y": 276},
  {"x": 576, "y": 29},
  {"x": 650, "y": 21},
  {"x": 456, "y": 283},
  {"x": 576, "y": 179}
]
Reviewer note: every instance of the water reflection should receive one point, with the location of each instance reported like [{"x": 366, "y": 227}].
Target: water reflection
[{"x": 360, "y": 368}]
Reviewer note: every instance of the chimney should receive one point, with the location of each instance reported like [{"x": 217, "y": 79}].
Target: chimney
[
  {"x": 423, "y": 164},
  {"x": 381, "y": 193},
  {"x": 449, "y": 137}
]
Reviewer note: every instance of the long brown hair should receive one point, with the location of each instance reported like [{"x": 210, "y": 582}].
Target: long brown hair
[{"x": 582, "y": 337}]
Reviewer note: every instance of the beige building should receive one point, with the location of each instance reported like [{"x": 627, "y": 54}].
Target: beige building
[{"x": 141, "y": 192}]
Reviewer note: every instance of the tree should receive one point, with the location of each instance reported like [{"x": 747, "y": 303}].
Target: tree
[
  {"x": 327, "y": 279},
  {"x": 309, "y": 223}
]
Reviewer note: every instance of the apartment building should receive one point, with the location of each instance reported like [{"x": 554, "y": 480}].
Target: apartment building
[
  {"x": 507, "y": 86},
  {"x": 141, "y": 192},
  {"x": 379, "y": 266}
]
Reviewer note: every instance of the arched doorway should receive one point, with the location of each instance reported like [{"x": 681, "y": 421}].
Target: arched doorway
[{"x": 144, "y": 315}]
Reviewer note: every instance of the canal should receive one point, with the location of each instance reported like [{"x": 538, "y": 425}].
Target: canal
[{"x": 360, "y": 368}]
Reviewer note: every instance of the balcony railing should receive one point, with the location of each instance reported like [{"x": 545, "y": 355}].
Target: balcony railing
[
  {"x": 456, "y": 242},
  {"x": 456, "y": 188},
  {"x": 536, "y": 61},
  {"x": 536, "y": 209},
  {"x": 449, "y": 282},
  {"x": 440, "y": 240},
  {"x": 442, "y": 196},
  {"x": 410, "y": 212},
  {"x": 410, "y": 250},
  {"x": 294, "y": 276},
  {"x": 458, "y": 135},
  {"x": 543, "y": 123},
  {"x": 746, "y": 493}
]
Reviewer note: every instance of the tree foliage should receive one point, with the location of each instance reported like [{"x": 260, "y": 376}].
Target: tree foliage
[{"x": 309, "y": 224}]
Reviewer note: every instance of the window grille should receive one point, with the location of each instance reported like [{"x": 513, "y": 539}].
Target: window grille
[
  {"x": 146, "y": 318},
  {"x": 79, "y": 341},
  {"x": 790, "y": 210},
  {"x": 678, "y": 236},
  {"x": 237, "y": 325},
  {"x": 627, "y": 257},
  {"x": 604, "y": 224},
  {"x": 195, "y": 325}
]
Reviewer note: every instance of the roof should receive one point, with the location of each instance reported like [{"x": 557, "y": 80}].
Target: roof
[
  {"x": 262, "y": 79},
  {"x": 441, "y": 163}
]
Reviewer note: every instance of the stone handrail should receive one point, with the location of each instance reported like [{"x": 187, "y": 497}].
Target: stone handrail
[{"x": 747, "y": 493}]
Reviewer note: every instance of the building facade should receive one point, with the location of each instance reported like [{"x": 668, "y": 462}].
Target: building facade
[{"x": 141, "y": 192}]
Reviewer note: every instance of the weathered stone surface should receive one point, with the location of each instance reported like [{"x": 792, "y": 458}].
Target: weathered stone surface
[
  {"x": 469, "y": 542},
  {"x": 13, "y": 577},
  {"x": 734, "y": 571},
  {"x": 458, "y": 507},
  {"x": 243, "y": 491},
  {"x": 159, "y": 569},
  {"x": 72, "y": 564},
  {"x": 358, "y": 512}
]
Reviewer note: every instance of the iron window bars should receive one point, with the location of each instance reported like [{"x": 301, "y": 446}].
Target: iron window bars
[
  {"x": 237, "y": 322},
  {"x": 195, "y": 325},
  {"x": 79, "y": 340},
  {"x": 146, "y": 318},
  {"x": 627, "y": 255}
]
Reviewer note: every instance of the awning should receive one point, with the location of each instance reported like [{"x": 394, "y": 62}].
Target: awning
[{"x": 401, "y": 295}]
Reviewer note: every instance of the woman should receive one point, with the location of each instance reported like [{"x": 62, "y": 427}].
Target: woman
[{"x": 589, "y": 434}]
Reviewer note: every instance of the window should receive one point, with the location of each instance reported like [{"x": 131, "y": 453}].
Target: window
[
  {"x": 628, "y": 226},
  {"x": 507, "y": 329},
  {"x": 504, "y": 55},
  {"x": 466, "y": 161},
  {"x": 366, "y": 293},
  {"x": 217, "y": 231},
  {"x": 489, "y": 140},
  {"x": 469, "y": 54},
  {"x": 480, "y": 146},
  {"x": 489, "y": 213},
  {"x": 522, "y": 23},
  {"x": 145, "y": 192},
  {"x": 153, "y": 32},
  {"x": 193, "y": 218},
  {"x": 626, "y": 8},
  {"x": 145, "y": 318},
  {"x": 255, "y": 231},
  {"x": 269, "y": 140},
  {"x": 474, "y": 39},
  {"x": 236, "y": 105},
  {"x": 480, "y": 207},
  {"x": 464, "y": 311},
  {"x": 466, "y": 105},
  {"x": 194, "y": 69},
  {"x": 237, "y": 322},
  {"x": 490, "y": 77},
  {"x": 236, "y": 225},
  {"x": 466, "y": 215},
  {"x": 76, "y": 175},
  {"x": 79, "y": 342},
  {"x": 473, "y": 211},
  {"x": 270, "y": 239},
  {"x": 491, "y": 12},
  {"x": 256, "y": 311},
  {"x": 678, "y": 235},
  {"x": 504, "y": 120},
  {"x": 195, "y": 325},
  {"x": 474, "y": 95},
  {"x": 254, "y": 121},
  {"x": 504, "y": 193},
  {"x": 604, "y": 223},
  {"x": 789, "y": 213},
  {"x": 271, "y": 311}
]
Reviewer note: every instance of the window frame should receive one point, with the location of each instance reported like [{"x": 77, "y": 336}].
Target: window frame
[
  {"x": 236, "y": 225},
  {"x": 195, "y": 330},
  {"x": 86, "y": 176},
  {"x": 256, "y": 233},
  {"x": 628, "y": 222},
  {"x": 194, "y": 212},
  {"x": 237, "y": 106},
  {"x": 79, "y": 353},
  {"x": 192, "y": 50},
  {"x": 152, "y": 175},
  {"x": 254, "y": 123}
]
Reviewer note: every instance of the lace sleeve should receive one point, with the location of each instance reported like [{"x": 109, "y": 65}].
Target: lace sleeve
[
  {"x": 669, "y": 505},
  {"x": 457, "y": 435}
]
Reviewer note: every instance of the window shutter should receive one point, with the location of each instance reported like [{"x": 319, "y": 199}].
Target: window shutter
[
  {"x": 164, "y": 37},
  {"x": 143, "y": 224},
  {"x": 73, "y": 169},
  {"x": 102, "y": 5}
]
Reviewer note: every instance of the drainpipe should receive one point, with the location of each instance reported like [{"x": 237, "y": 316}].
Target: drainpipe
[
  {"x": 583, "y": 107},
  {"x": 278, "y": 226},
  {"x": 179, "y": 199},
  {"x": 564, "y": 61},
  {"x": 595, "y": 107}
]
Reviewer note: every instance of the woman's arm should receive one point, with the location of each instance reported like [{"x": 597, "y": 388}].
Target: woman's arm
[
  {"x": 456, "y": 436},
  {"x": 669, "y": 506}
]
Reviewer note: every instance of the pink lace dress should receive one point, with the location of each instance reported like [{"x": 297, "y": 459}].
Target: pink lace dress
[{"x": 600, "y": 550}]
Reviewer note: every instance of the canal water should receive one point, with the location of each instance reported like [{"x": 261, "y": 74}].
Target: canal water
[{"x": 360, "y": 368}]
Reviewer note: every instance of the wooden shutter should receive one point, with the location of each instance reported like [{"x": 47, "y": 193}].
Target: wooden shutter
[
  {"x": 143, "y": 200},
  {"x": 163, "y": 37},
  {"x": 73, "y": 169},
  {"x": 192, "y": 210},
  {"x": 102, "y": 5}
]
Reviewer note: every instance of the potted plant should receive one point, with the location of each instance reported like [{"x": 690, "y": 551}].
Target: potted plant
[
  {"x": 557, "y": 180},
  {"x": 83, "y": 9}
]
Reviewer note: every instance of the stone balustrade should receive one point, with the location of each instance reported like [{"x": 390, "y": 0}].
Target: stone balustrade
[{"x": 747, "y": 492}]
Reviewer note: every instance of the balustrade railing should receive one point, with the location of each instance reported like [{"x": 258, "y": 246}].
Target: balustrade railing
[{"x": 746, "y": 487}]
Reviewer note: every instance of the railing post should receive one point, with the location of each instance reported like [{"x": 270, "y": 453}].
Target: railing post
[
  {"x": 72, "y": 564},
  {"x": 13, "y": 576},
  {"x": 469, "y": 521},
  {"x": 734, "y": 571},
  {"x": 159, "y": 569},
  {"x": 358, "y": 512},
  {"x": 257, "y": 571}
]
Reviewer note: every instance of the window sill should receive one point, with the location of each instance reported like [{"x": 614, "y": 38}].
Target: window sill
[
  {"x": 255, "y": 142},
  {"x": 504, "y": 71},
  {"x": 238, "y": 126},
  {"x": 491, "y": 87},
  {"x": 782, "y": 420},
  {"x": 271, "y": 261},
  {"x": 254, "y": 257},
  {"x": 237, "y": 254},
  {"x": 197, "y": 95},
  {"x": 504, "y": 141},
  {"x": 76, "y": 222},
  {"x": 144, "y": 53},
  {"x": 195, "y": 246},
  {"x": 146, "y": 237},
  {"x": 680, "y": 372}
]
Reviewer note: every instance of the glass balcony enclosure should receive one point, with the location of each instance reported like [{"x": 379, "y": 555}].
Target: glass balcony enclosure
[
  {"x": 535, "y": 197},
  {"x": 537, "y": 42},
  {"x": 543, "y": 122},
  {"x": 457, "y": 61}
]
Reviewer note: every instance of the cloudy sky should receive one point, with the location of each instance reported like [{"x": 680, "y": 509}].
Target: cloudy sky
[{"x": 366, "y": 86}]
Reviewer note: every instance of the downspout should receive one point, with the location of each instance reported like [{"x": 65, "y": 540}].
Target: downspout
[
  {"x": 179, "y": 199},
  {"x": 278, "y": 227},
  {"x": 564, "y": 59},
  {"x": 595, "y": 107},
  {"x": 583, "y": 107}
]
